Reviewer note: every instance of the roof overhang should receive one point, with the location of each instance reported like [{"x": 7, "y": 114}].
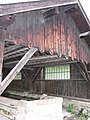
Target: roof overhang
[
  {"x": 79, "y": 16},
  {"x": 33, "y": 5},
  {"x": 14, "y": 8}
]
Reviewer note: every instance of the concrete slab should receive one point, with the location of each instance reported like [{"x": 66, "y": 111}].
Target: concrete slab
[{"x": 46, "y": 109}]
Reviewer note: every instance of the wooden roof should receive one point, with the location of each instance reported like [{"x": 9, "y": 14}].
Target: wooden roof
[
  {"x": 33, "y": 5},
  {"x": 78, "y": 14}
]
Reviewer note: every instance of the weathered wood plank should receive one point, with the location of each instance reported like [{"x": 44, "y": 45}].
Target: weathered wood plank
[
  {"x": 56, "y": 34},
  {"x": 16, "y": 69},
  {"x": 1, "y": 59},
  {"x": 73, "y": 88}
]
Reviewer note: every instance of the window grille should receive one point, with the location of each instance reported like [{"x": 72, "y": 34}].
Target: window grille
[{"x": 57, "y": 72}]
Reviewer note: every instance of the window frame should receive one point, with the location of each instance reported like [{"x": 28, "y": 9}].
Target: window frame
[{"x": 62, "y": 72}]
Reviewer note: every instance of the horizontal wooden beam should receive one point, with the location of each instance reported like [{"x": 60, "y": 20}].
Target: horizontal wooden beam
[
  {"x": 16, "y": 69},
  {"x": 42, "y": 61},
  {"x": 11, "y": 48},
  {"x": 35, "y": 59},
  {"x": 23, "y": 50}
]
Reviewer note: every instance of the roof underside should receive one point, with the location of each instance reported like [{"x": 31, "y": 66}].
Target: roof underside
[
  {"x": 75, "y": 10},
  {"x": 79, "y": 18},
  {"x": 34, "y": 5}
]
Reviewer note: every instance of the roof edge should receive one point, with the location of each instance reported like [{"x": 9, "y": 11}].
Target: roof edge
[
  {"x": 27, "y": 6},
  {"x": 84, "y": 13}
]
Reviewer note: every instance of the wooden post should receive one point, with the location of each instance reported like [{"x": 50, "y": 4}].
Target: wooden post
[
  {"x": 1, "y": 52},
  {"x": 1, "y": 60}
]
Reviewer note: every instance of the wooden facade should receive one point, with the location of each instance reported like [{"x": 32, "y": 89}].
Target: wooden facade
[
  {"x": 54, "y": 27},
  {"x": 50, "y": 30},
  {"x": 76, "y": 86}
]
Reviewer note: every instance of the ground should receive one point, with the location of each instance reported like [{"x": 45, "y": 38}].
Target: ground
[{"x": 78, "y": 104}]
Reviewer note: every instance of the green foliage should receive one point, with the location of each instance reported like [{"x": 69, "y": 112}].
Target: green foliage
[
  {"x": 83, "y": 116},
  {"x": 71, "y": 108}
]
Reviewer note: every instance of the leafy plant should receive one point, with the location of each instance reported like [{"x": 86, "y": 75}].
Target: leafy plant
[
  {"x": 71, "y": 108},
  {"x": 83, "y": 116}
]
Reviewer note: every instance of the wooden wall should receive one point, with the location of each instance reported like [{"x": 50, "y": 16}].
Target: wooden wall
[
  {"x": 75, "y": 87},
  {"x": 25, "y": 84},
  {"x": 57, "y": 34}
]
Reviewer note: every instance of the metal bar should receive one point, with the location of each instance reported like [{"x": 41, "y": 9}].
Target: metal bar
[{"x": 16, "y": 69}]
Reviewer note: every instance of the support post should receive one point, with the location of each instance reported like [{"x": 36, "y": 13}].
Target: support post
[
  {"x": 1, "y": 52},
  {"x": 16, "y": 69},
  {"x": 1, "y": 60}
]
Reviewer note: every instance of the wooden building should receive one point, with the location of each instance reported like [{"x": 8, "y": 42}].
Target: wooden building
[{"x": 45, "y": 48}]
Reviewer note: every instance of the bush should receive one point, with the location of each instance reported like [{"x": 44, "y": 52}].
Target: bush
[{"x": 71, "y": 108}]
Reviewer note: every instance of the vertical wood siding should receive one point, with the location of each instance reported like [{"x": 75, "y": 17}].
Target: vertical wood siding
[
  {"x": 73, "y": 88},
  {"x": 57, "y": 34}
]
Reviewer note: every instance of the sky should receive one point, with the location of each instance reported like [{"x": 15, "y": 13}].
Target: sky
[{"x": 85, "y": 4}]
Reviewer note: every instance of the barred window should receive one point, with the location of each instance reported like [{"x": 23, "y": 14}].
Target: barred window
[{"x": 57, "y": 72}]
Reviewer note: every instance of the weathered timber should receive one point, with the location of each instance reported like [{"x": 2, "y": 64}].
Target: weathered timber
[
  {"x": 6, "y": 20},
  {"x": 82, "y": 72},
  {"x": 12, "y": 48},
  {"x": 29, "y": 6},
  {"x": 42, "y": 61},
  {"x": 1, "y": 60},
  {"x": 83, "y": 69},
  {"x": 16, "y": 52},
  {"x": 56, "y": 34},
  {"x": 16, "y": 69},
  {"x": 36, "y": 74},
  {"x": 71, "y": 88},
  {"x": 86, "y": 72},
  {"x": 1, "y": 52}
]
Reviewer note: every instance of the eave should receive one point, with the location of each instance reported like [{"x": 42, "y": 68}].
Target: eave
[{"x": 81, "y": 20}]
